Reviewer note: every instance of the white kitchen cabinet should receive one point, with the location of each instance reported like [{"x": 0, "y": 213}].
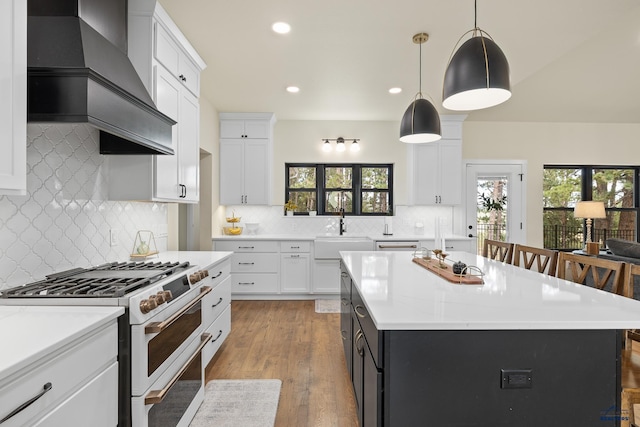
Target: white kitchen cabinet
[
  {"x": 437, "y": 173},
  {"x": 232, "y": 127},
  {"x": 65, "y": 359},
  {"x": 245, "y": 162},
  {"x": 170, "y": 69},
  {"x": 326, "y": 276},
  {"x": 295, "y": 267},
  {"x": 13, "y": 108},
  {"x": 435, "y": 168},
  {"x": 216, "y": 308},
  {"x": 254, "y": 266}
]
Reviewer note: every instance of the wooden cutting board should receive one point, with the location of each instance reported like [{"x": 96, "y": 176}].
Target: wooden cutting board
[{"x": 447, "y": 273}]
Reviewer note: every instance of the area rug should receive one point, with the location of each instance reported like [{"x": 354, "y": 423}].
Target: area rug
[
  {"x": 327, "y": 306},
  {"x": 239, "y": 403}
]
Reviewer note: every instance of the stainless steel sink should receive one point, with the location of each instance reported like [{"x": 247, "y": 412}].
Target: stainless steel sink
[{"x": 329, "y": 246}]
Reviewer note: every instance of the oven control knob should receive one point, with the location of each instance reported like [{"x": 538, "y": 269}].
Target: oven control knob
[
  {"x": 146, "y": 305},
  {"x": 160, "y": 297},
  {"x": 168, "y": 296}
]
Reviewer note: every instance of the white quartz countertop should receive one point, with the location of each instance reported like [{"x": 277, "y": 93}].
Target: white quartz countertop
[
  {"x": 401, "y": 295},
  {"x": 29, "y": 333},
  {"x": 374, "y": 237}
]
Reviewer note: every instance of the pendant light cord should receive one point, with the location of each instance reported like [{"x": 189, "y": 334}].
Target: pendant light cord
[
  {"x": 475, "y": 14},
  {"x": 420, "y": 77}
]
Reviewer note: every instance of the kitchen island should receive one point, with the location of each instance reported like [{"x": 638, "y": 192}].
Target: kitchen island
[{"x": 522, "y": 349}]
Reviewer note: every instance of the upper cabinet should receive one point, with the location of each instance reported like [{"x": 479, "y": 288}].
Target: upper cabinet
[
  {"x": 246, "y": 146},
  {"x": 170, "y": 69},
  {"x": 13, "y": 108},
  {"x": 435, "y": 171}
]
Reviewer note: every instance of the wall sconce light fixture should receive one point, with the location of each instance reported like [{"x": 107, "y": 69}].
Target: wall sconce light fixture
[{"x": 340, "y": 144}]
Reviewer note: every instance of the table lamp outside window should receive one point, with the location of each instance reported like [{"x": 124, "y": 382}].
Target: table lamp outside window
[{"x": 589, "y": 210}]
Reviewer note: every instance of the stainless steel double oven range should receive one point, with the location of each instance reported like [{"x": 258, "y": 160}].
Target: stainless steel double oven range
[{"x": 161, "y": 335}]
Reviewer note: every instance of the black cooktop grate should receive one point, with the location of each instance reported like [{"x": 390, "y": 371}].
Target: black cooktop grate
[{"x": 111, "y": 280}]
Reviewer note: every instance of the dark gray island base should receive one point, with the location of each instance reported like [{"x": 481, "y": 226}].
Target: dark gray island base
[{"x": 442, "y": 378}]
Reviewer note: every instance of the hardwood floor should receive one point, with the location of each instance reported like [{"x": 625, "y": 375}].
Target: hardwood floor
[{"x": 288, "y": 340}]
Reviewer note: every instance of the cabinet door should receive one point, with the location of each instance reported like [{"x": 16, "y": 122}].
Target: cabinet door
[
  {"x": 167, "y": 99},
  {"x": 231, "y": 172},
  {"x": 450, "y": 172},
  {"x": 358, "y": 345},
  {"x": 371, "y": 391},
  {"x": 294, "y": 273},
  {"x": 13, "y": 108},
  {"x": 189, "y": 152},
  {"x": 257, "y": 182},
  {"x": 426, "y": 174},
  {"x": 257, "y": 129},
  {"x": 326, "y": 276},
  {"x": 231, "y": 129}
]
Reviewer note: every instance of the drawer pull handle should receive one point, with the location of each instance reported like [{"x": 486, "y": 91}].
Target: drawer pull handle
[
  {"x": 157, "y": 327},
  {"x": 397, "y": 246},
  {"x": 295, "y": 256},
  {"x": 246, "y": 247},
  {"x": 246, "y": 283},
  {"x": 28, "y": 403},
  {"x": 295, "y": 247},
  {"x": 217, "y": 275},
  {"x": 356, "y": 339},
  {"x": 343, "y": 274},
  {"x": 217, "y": 304},
  {"x": 362, "y": 316},
  {"x": 216, "y": 338},
  {"x": 157, "y": 396},
  {"x": 246, "y": 263}
]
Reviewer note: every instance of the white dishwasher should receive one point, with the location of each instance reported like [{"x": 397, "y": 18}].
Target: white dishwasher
[{"x": 397, "y": 245}]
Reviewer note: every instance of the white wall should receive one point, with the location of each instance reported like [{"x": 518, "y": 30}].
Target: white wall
[{"x": 550, "y": 143}]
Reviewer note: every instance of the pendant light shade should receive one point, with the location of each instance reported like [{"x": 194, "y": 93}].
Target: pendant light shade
[
  {"x": 477, "y": 75},
  {"x": 420, "y": 122}
]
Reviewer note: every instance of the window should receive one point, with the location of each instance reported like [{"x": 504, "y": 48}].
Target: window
[
  {"x": 355, "y": 189},
  {"x": 563, "y": 186}
]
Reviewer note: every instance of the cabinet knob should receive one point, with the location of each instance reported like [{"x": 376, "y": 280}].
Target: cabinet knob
[
  {"x": 182, "y": 77},
  {"x": 470, "y": 235}
]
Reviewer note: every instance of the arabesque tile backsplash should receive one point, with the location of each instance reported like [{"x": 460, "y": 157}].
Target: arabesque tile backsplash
[{"x": 65, "y": 219}]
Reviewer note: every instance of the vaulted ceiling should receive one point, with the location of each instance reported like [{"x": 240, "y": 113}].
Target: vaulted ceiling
[{"x": 571, "y": 60}]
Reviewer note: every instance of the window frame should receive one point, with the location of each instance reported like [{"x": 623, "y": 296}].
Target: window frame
[
  {"x": 586, "y": 192},
  {"x": 356, "y": 187}
]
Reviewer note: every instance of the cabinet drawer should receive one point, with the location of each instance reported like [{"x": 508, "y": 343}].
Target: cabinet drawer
[
  {"x": 218, "y": 273},
  {"x": 215, "y": 302},
  {"x": 66, "y": 372},
  {"x": 247, "y": 246},
  {"x": 95, "y": 404},
  {"x": 295, "y": 246},
  {"x": 266, "y": 283},
  {"x": 219, "y": 331},
  {"x": 371, "y": 334},
  {"x": 189, "y": 75},
  {"x": 254, "y": 263}
]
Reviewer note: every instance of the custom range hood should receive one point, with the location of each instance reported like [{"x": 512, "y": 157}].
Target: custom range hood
[{"x": 78, "y": 72}]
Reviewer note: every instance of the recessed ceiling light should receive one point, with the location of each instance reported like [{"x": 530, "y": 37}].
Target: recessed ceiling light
[
  {"x": 281, "y": 27},
  {"x": 293, "y": 89},
  {"x": 395, "y": 90}
]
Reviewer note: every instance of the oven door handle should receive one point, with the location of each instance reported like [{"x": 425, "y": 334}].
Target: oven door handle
[
  {"x": 156, "y": 327},
  {"x": 157, "y": 396}
]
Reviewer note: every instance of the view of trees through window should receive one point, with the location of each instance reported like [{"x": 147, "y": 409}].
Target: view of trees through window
[
  {"x": 333, "y": 188},
  {"x": 563, "y": 186}
]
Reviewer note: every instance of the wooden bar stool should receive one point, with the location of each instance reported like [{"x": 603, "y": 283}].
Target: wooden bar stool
[
  {"x": 546, "y": 260},
  {"x": 500, "y": 251},
  {"x": 603, "y": 274}
]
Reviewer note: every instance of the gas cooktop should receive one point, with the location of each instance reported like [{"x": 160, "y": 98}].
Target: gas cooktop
[{"x": 110, "y": 280}]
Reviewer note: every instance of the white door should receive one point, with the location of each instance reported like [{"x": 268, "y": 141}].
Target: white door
[{"x": 495, "y": 204}]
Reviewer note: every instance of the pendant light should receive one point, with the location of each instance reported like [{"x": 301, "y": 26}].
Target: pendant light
[
  {"x": 421, "y": 122},
  {"x": 477, "y": 75}
]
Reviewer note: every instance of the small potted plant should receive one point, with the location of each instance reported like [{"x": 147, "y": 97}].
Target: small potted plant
[{"x": 290, "y": 207}]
